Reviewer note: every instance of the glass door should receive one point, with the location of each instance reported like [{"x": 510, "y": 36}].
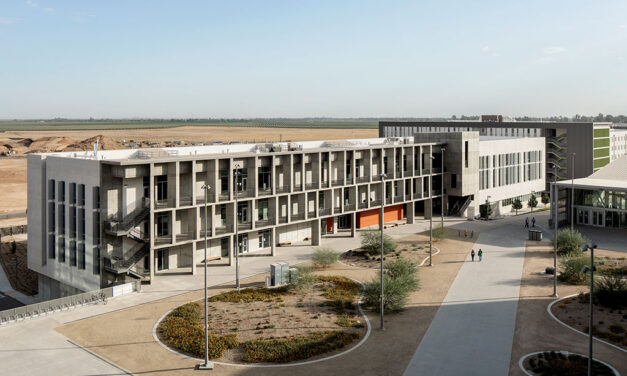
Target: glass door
[
  {"x": 597, "y": 218},
  {"x": 162, "y": 259}
]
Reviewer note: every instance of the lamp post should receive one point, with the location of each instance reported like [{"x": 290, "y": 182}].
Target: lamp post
[
  {"x": 572, "y": 192},
  {"x": 206, "y": 364},
  {"x": 592, "y": 269},
  {"x": 555, "y": 202},
  {"x": 237, "y": 167},
  {"x": 442, "y": 188},
  {"x": 381, "y": 222},
  {"x": 431, "y": 213}
]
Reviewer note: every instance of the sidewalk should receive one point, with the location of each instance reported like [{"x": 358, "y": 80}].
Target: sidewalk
[{"x": 473, "y": 331}]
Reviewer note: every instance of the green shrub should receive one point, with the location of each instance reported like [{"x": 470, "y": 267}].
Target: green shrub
[
  {"x": 305, "y": 280},
  {"x": 571, "y": 270},
  {"x": 545, "y": 199},
  {"x": 324, "y": 257},
  {"x": 399, "y": 280},
  {"x": 611, "y": 291},
  {"x": 371, "y": 242},
  {"x": 249, "y": 295},
  {"x": 517, "y": 205},
  {"x": 439, "y": 233},
  {"x": 533, "y": 202},
  {"x": 570, "y": 242},
  {"x": 348, "y": 321},
  {"x": 284, "y": 350}
]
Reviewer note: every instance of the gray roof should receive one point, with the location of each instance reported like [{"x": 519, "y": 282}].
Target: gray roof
[{"x": 610, "y": 177}]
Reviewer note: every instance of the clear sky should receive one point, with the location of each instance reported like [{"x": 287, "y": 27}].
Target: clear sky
[{"x": 311, "y": 58}]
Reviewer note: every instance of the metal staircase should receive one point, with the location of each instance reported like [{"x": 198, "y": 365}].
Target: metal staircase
[
  {"x": 460, "y": 206},
  {"x": 123, "y": 227},
  {"x": 121, "y": 266}
]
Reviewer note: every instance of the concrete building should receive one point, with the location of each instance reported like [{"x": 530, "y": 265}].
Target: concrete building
[
  {"x": 102, "y": 218},
  {"x": 618, "y": 142},
  {"x": 600, "y": 200}
]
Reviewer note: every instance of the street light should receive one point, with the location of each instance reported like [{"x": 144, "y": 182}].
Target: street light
[
  {"x": 555, "y": 202},
  {"x": 381, "y": 222},
  {"x": 206, "y": 364},
  {"x": 591, "y": 269},
  {"x": 431, "y": 215},
  {"x": 572, "y": 192},
  {"x": 442, "y": 189}
]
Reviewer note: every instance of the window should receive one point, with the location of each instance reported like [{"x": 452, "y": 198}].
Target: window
[
  {"x": 223, "y": 215},
  {"x": 224, "y": 182},
  {"x": 96, "y": 229},
  {"x": 61, "y": 191},
  {"x": 264, "y": 178},
  {"x": 145, "y": 184},
  {"x": 81, "y": 222},
  {"x": 73, "y": 221},
  {"x": 162, "y": 187},
  {"x": 73, "y": 193},
  {"x": 61, "y": 224},
  {"x": 466, "y": 154},
  {"x": 242, "y": 244},
  {"x": 81, "y": 255},
  {"x": 321, "y": 200},
  {"x": 240, "y": 176},
  {"x": 96, "y": 261},
  {"x": 357, "y": 168},
  {"x": 81, "y": 194},
  {"x": 51, "y": 190},
  {"x": 96, "y": 194},
  {"x": 61, "y": 249},
  {"x": 72, "y": 252},
  {"x": 262, "y": 209},
  {"x": 163, "y": 224},
  {"x": 453, "y": 180},
  {"x": 264, "y": 239},
  {"x": 51, "y": 246},
  {"x": 242, "y": 212},
  {"x": 51, "y": 217}
]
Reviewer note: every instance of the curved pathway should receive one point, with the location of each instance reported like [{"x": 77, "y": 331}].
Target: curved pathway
[{"x": 472, "y": 332}]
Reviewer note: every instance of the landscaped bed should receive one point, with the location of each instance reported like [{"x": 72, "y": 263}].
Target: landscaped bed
[
  {"x": 277, "y": 325},
  {"x": 609, "y": 324},
  {"x": 557, "y": 363}
]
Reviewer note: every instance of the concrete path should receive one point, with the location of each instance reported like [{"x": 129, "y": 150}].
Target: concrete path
[
  {"x": 33, "y": 347},
  {"x": 473, "y": 331}
]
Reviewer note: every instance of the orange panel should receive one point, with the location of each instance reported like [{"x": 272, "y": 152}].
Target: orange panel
[
  {"x": 329, "y": 224},
  {"x": 371, "y": 217}
]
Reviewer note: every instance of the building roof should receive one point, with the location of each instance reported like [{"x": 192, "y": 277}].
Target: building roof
[{"x": 610, "y": 177}]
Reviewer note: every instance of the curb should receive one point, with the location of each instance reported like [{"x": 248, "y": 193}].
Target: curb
[{"x": 522, "y": 360}]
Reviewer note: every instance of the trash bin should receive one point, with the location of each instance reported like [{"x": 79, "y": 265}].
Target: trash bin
[{"x": 549, "y": 270}]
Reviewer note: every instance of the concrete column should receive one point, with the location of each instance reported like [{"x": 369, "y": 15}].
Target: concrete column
[
  {"x": 428, "y": 208},
  {"x": 410, "y": 212},
  {"x": 272, "y": 175},
  {"x": 315, "y": 231},
  {"x": 194, "y": 193},
  {"x": 273, "y": 241},
  {"x": 177, "y": 185},
  {"x": 231, "y": 182},
  {"x": 151, "y": 219},
  {"x": 353, "y": 225},
  {"x": 194, "y": 257}
]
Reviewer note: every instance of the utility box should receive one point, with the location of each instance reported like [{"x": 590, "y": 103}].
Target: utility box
[
  {"x": 285, "y": 272},
  {"x": 275, "y": 274}
]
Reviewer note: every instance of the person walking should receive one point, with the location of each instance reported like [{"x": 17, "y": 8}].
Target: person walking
[
  {"x": 526, "y": 222},
  {"x": 480, "y": 254},
  {"x": 472, "y": 255},
  {"x": 465, "y": 233},
  {"x": 533, "y": 222}
]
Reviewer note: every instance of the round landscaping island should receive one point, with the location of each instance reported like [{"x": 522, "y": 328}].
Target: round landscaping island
[
  {"x": 563, "y": 363},
  {"x": 270, "y": 325}
]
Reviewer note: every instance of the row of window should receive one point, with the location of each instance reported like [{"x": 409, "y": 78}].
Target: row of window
[{"x": 506, "y": 169}]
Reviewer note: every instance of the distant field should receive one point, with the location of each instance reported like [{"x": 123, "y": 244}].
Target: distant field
[{"x": 70, "y": 125}]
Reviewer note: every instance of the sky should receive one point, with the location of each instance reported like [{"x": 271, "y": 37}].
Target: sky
[{"x": 245, "y": 59}]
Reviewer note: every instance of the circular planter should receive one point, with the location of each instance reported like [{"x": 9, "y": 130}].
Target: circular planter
[{"x": 521, "y": 362}]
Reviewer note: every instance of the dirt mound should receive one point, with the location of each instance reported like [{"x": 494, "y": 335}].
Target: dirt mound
[
  {"x": 104, "y": 143},
  {"x": 49, "y": 144}
]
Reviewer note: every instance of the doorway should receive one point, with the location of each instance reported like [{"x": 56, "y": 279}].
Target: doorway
[{"x": 162, "y": 259}]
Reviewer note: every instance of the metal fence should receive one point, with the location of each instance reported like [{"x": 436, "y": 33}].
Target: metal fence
[{"x": 49, "y": 307}]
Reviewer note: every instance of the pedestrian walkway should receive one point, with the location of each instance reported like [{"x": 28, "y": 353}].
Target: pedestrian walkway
[{"x": 473, "y": 331}]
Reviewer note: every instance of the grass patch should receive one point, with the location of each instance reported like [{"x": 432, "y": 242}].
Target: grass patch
[
  {"x": 284, "y": 350},
  {"x": 348, "y": 321},
  {"x": 248, "y": 295},
  {"x": 342, "y": 294},
  {"x": 324, "y": 257}
]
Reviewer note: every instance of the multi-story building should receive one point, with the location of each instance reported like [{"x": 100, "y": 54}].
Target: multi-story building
[
  {"x": 618, "y": 142},
  {"x": 106, "y": 217}
]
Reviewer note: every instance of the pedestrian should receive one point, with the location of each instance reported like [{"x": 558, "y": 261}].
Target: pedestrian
[
  {"x": 480, "y": 254},
  {"x": 533, "y": 222},
  {"x": 465, "y": 233},
  {"x": 526, "y": 222},
  {"x": 472, "y": 255},
  {"x": 472, "y": 234}
]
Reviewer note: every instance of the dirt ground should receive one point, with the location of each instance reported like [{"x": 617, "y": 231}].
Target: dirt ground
[
  {"x": 535, "y": 329},
  {"x": 13, "y": 169},
  {"x": 25, "y": 280},
  {"x": 125, "y": 337}
]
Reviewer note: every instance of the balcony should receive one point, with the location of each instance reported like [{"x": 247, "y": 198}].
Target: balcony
[
  {"x": 243, "y": 194},
  {"x": 407, "y": 174},
  {"x": 283, "y": 189},
  {"x": 375, "y": 203},
  {"x": 337, "y": 182},
  {"x": 202, "y": 233},
  {"x": 363, "y": 205},
  {"x": 298, "y": 187},
  {"x": 388, "y": 200},
  {"x": 309, "y": 186},
  {"x": 244, "y": 226},
  {"x": 185, "y": 236},
  {"x": 417, "y": 195},
  {"x": 163, "y": 204},
  {"x": 163, "y": 239},
  {"x": 224, "y": 229},
  {"x": 363, "y": 179},
  {"x": 311, "y": 214},
  {"x": 283, "y": 219},
  {"x": 436, "y": 170},
  {"x": 398, "y": 198},
  {"x": 407, "y": 197},
  {"x": 200, "y": 199},
  {"x": 264, "y": 222},
  {"x": 224, "y": 196},
  {"x": 436, "y": 192},
  {"x": 324, "y": 211},
  {"x": 265, "y": 191},
  {"x": 337, "y": 210},
  {"x": 425, "y": 194},
  {"x": 349, "y": 207},
  {"x": 185, "y": 201},
  {"x": 426, "y": 171}
]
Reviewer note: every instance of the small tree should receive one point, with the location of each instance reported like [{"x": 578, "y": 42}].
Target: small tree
[
  {"x": 371, "y": 242},
  {"x": 545, "y": 199},
  {"x": 305, "y": 279},
  {"x": 517, "y": 205},
  {"x": 485, "y": 210},
  {"x": 324, "y": 257},
  {"x": 533, "y": 202},
  {"x": 399, "y": 279},
  {"x": 439, "y": 233},
  {"x": 570, "y": 242}
]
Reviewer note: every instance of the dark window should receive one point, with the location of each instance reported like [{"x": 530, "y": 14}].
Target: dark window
[
  {"x": 96, "y": 193},
  {"x": 81, "y": 255},
  {"x": 96, "y": 230},
  {"x": 51, "y": 246},
  {"x": 61, "y": 249},
  {"x": 81, "y": 194},
  {"x": 162, "y": 187},
  {"x": 240, "y": 176},
  {"x": 453, "y": 180},
  {"x": 466, "y": 154},
  {"x": 72, "y": 253},
  {"x": 224, "y": 182},
  {"x": 264, "y": 239},
  {"x": 61, "y": 191},
  {"x": 73, "y": 221},
  {"x": 51, "y": 190},
  {"x": 72, "y": 193},
  {"x": 61, "y": 224},
  {"x": 262, "y": 209},
  {"x": 81, "y": 228},
  {"x": 264, "y": 178},
  {"x": 96, "y": 261},
  {"x": 163, "y": 228},
  {"x": 146, "y": 185}
]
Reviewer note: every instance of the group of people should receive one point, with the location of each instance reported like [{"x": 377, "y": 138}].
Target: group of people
[
  {"x": 472, "y": 254},
  {"x": 533, "y": 222}
]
